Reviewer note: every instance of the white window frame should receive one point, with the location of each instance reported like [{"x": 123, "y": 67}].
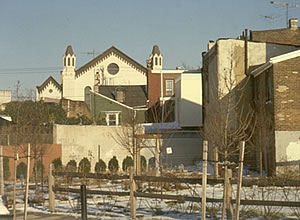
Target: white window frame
[
  {"x": 169, "y": 91},
  {"x": 113, "y": 122}
]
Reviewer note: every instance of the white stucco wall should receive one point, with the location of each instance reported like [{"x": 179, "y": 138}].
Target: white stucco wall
[
  {"x": 127, "y": 75},
  {"x": 287, "y": 146},
  {"x": 83, "y": 141},
  {"x": 231, "y": 58},
  {"x": 189, "y": 100},
  {"x": 5, "y": 96}
]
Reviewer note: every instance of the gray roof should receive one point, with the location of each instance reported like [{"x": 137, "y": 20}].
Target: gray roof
[
  {"x": 69, "y": 50},
  {"x": 134, "y": 95},
  {"x": 155, "y": 50}
]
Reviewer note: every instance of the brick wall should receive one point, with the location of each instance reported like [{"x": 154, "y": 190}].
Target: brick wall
[
  {"x": 75, "y": 108},
  {"x": 154, "y": 86},
  {"x": 51, "y": 152},
  {"x": 287, "y": 95},
  {"x": 280, "y": 36}
]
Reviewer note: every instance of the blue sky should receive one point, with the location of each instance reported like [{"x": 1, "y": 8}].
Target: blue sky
[{"x": 35, "y": 33}]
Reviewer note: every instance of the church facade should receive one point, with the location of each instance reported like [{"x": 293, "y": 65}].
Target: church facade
[{"x": 112, "y": 67}]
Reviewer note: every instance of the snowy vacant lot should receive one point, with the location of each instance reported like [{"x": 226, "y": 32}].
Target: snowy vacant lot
[{"x": 117, "y": 207}]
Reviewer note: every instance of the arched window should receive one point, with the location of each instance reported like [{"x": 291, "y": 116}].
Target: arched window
[
  {"x": 156, "y": 61},
  {"x": 87, "y": 96},
  {"x": 65, "y": 62},
  {"x": 69, "y": 61},
  {"x": 160, "y": 61},
  {"x": 73, "y": 62}
]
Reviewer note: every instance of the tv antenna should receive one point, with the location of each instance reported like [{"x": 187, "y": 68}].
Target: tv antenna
[
  {"x": 269, "y": 19},
  {"x": 287, "y": 5},
  {"x": 93, "y": 53}
]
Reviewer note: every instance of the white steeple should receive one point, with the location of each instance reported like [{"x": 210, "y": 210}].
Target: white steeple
[
  {"x": 69, "y": 60},
  {"x": 156, "y": 59},
  {"x": 68, "y": 74}
]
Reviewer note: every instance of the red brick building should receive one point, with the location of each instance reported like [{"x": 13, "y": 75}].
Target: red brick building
[{"x": 161, "y": 87}]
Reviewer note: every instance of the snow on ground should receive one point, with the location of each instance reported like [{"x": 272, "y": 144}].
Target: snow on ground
[{"x": 114, "y": 207}]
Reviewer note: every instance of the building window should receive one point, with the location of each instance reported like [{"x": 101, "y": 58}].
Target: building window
[
  {"x": 73, "y": 63},
  {"x": 112, "y": 118},
  {"x": 156, "y": 61},
  {"x": 64, "y": 61},
  {"x": 160, "y": 61},
  {"x": 169, "y": 87},
  {"x": 113, "y": 68},
  {"x": 69, "y": 61}
]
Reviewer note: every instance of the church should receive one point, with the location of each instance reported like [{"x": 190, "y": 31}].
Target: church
[{"x": 110, "y": 68}]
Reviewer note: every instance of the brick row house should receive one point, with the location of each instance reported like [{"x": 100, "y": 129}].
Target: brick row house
[{"x": 259, "y": 78}]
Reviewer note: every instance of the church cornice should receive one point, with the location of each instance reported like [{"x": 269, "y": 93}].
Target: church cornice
[
  {"x": 47, "y": 82},
  {"x": 113, "y": 50}
]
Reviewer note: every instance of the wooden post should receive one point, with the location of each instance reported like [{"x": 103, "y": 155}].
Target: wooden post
[
  {"x": 240, "y": 179},
  {"x": 216, "y": 162},
  {"x": 15, "y": 183},
  {"x": 138, "y": 161},
  {"x": 27, "y": 182},
  {"x": 50, "y": 189},
  {"x": 83, "y": 202},
  {"x": 204, "y": 179},
  {"x": 157, "y": 157},
  {"x": 229, "y": 208},
  {"x": 132, "y": 197},
  {"x": 1, "y": 171}
]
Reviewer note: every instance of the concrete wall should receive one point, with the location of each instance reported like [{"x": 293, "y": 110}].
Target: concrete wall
[{"x": 83, "y": 141}]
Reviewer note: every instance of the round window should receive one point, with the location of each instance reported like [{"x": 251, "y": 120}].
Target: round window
[
  {"x": 50, "y": 90},
  {"x": 113, "y": 68}
]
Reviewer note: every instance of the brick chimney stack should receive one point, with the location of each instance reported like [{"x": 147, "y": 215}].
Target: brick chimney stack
[{"x": 293, "y": 23}]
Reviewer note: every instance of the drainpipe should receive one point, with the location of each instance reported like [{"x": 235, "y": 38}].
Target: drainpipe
[
  {"x": 162, "y": 96},
  {"x": 246, "y": 52}
]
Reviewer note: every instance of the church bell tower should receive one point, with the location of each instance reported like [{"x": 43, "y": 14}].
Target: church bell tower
[{"x": 68, "y": 74}]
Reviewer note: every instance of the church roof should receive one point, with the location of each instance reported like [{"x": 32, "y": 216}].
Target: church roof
[
  {"x": 134, "y": 95},
  {"x": 69, "y": 50},
  {"x": 46, "y": 83},
  {"x": 104, "y": 55},
  {"x": 155, "y": 50}
]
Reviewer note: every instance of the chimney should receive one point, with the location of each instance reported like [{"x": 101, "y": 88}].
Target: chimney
[
  {"x": 120, "y": 95},
  {"x": 293, "y": 23},
  {"x": 210, "y": 44}
]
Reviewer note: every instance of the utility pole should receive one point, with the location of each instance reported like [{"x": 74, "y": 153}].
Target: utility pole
[{"x": 287, "y": 5}]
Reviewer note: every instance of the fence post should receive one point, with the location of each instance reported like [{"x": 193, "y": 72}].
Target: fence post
[
  {"x": 27, "y": 182},
  {"x": 1, "y": 171},
  {"x": 216, "y": 162},
  {"x": 157, "y": 157},
  {"x": 229, "y": 208},
  {"x": 83, "y": 202},
  {"x": 132, "y": 197},
  {"x": 204, "y": 179},
  {"x": 240, "y": 179},
  {"x": 50, "y": 189}
]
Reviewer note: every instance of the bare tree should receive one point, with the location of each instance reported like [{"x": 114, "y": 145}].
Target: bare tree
[
  {"x": 127, "y": 134},
  {"x": 229, "y": 115}
]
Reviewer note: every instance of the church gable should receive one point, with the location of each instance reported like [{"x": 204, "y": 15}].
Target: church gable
[
  {"x": 111, "y": 52},
  {"x": 50, "y": 89}
]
